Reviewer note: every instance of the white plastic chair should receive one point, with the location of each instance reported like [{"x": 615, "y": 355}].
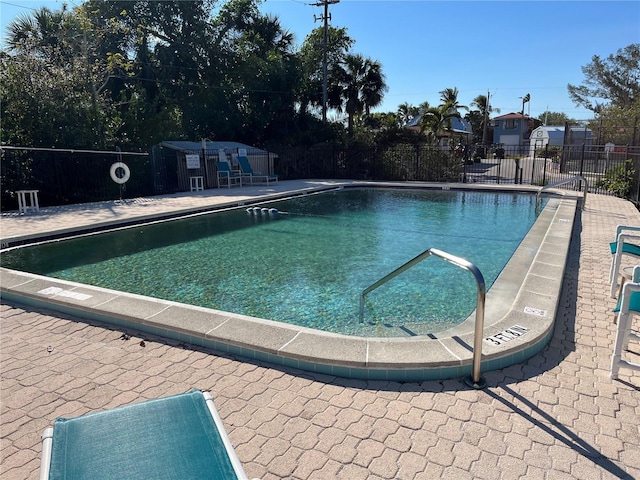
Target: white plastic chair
[
  {"x": 619, "y": 248},
  {"x": 629, "y": 306}
]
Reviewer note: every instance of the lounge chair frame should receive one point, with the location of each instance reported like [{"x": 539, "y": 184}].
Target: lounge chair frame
[
  {"x": 229, "y": 176},
  {"x": 619, "y": 248},
  {"x": 247, "y": 171},
  {"x": 629, "y": 303}
]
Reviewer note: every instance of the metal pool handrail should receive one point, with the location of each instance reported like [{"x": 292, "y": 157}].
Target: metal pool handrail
[
  {"x": 562, "y": 182},
  {"x": 475, "y": 380}
]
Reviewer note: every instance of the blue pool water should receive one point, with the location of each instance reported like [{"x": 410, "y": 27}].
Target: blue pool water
[{"x": 309, "y": 266}]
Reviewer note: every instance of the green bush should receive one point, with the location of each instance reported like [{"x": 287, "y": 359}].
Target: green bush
[
  {"x": 618, "y": 179},
  {"x": 548, "y": 152}
]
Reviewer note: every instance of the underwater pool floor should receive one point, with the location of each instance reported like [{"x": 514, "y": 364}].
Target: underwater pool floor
[{"x": 519, "y": 315}]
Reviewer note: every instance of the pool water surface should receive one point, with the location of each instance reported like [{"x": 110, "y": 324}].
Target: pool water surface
[{"x": 308, "y": 265}]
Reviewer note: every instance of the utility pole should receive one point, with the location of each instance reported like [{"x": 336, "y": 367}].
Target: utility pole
[
  {"x": 525, "y": 99},
  {"x": 485, "y": 130},
  {"x": 325, "y": 17},
  {"x": 546, "y": 114},
  {"x": 523, "y": 126}
]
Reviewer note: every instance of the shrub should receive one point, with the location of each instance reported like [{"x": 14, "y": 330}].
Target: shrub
[
  {"x": 548, "y": 152},
  {"x": 618, "y": 179}
]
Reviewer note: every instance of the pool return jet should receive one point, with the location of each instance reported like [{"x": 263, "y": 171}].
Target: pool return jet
[
  {"x": 475, "y": 380},
  {"x": 265, "y": 212}
]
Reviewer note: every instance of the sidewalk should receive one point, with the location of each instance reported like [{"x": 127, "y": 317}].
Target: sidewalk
[{"x": 556, "y": 416}]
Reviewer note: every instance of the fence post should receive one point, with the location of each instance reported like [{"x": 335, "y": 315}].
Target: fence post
[
  {"x": 334, "y": 161},
  {"x": 544, "y": 168},
  {"x": 464, "y": 167},
  {"x": 58, "y": 183},
  {"x": 637, "y": 180},
  {"x": 206, "y": 164},
  {"x": 533, "y": 168}
]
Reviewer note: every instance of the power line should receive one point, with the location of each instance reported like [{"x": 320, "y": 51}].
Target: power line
[
  {"x": 19, "y": 6},
  {"x": 36, "y": 9}
]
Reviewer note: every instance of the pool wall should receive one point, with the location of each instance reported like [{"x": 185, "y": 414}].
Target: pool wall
[{"x": 519, "y": 318}]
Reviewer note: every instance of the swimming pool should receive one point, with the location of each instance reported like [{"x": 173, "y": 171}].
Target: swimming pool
[
  {"x": 307, "y": 264},
  {"x": 525, "y": 295}
]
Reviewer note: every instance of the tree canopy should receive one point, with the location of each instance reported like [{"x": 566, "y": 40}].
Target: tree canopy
[
  {"x": 614, "y": 80},
  {"x": 611, "y": 90},
  {"x": 553, "y": 118},
  {"x": 132, "y": 73}
]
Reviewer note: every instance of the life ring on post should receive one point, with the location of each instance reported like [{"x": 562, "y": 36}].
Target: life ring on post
[{"x": 125, "y": 175}]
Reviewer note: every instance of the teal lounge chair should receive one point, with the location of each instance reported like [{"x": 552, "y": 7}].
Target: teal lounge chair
[
  {"x": 178, "y": 437},
  {"x": 229, "y": 176},
  {"x": 247, "y": 171}
]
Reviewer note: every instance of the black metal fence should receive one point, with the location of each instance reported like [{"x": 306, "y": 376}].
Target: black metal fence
[
  {"x": 65, "y": 176},
  {"x": 608, "y": 171},
  {"x": 71, "y": 176}
]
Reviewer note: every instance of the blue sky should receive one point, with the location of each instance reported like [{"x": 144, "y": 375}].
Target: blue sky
[{"x": 507, "y": 48}]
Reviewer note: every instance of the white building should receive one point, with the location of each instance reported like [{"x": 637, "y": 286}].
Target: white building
[{"x": 554, "y": 136}]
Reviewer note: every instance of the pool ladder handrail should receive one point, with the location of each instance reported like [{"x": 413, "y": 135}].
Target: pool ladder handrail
[
  {"x": 562, "y": 182},
  {"x": 475, "y": 380}
]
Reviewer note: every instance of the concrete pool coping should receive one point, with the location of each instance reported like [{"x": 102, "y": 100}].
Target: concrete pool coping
[{"x": 519, "y": 316}]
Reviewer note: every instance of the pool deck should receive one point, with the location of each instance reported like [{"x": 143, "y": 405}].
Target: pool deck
[{"x": 557, "y": 415}]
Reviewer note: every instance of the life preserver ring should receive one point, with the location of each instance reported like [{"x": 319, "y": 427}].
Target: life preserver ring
[{"x": 125, "y": 176}]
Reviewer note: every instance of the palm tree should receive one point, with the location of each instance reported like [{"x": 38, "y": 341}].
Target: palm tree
[
  {"x": 405, "y": 113},
  {"x": 270, "y": 65},
  {"x": 449, "y": 96},
  {"x": 423, "y": 107},
  {"x": 481, "y": 102},
  {"x": 268, "y": 35},
  {"x": 361, "y": 87},
  {"x": 41, "y": 33},
  {"x": 437, "y": 119},
  {"x": 310, "y": 93},
  {"x": 483, "y": 105}
]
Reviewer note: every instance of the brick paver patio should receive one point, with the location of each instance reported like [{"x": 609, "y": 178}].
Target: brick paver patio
[{"x": 556, "y": 416}]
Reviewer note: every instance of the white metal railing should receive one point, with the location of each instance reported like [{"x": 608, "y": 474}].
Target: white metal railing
[
  {"x": 562, "y": 182},
  {"x": 475, "y": 380}
]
